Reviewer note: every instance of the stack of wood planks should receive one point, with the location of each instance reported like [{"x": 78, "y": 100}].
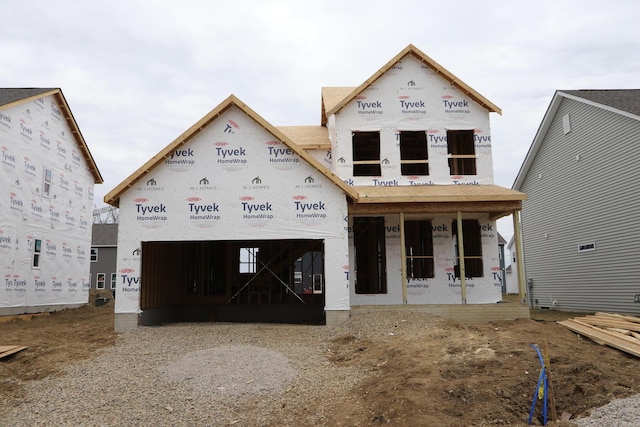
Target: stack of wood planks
[
  {"x": 615, "y": 330},
  {"x": 7, "y": 350}
]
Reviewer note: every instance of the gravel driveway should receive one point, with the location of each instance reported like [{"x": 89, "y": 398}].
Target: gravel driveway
[
  {"x": 216, "y": 374},
  {"x": 191, "y": 374}
]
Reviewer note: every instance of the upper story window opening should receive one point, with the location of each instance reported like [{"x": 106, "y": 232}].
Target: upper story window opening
[
  {"x": 414, "y": 158},
  {"x": 366, "y": 154},
  {"x": 462, "y": 152},
  {"x": 46, "y": 182}
]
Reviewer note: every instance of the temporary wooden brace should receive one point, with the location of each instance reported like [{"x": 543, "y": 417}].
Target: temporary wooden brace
[{"x": 463, "y": 273}]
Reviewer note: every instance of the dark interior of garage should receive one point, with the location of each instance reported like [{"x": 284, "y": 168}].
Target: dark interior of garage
[{"x": 233, "y": 281}]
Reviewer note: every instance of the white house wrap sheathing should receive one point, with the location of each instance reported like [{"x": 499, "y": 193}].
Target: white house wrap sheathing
[
  {"x": 232, "y": 181},
  {"x": 444, "y": 288},
  {"x": 412, "y": 96},
  {"x": 34, "y": 136}
]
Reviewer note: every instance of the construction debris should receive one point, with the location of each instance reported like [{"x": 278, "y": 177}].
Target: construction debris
[
  {"x": 615, "y": 330},
  {"x": 8, "y": 350}
]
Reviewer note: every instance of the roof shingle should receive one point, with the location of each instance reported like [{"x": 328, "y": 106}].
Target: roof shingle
[{"x": 622, "y": 99}]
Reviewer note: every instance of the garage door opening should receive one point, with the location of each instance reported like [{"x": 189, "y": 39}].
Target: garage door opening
[{"x": 243, "y": 281}]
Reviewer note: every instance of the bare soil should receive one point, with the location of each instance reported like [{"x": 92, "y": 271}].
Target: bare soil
[{"x": 450, "y": 374}]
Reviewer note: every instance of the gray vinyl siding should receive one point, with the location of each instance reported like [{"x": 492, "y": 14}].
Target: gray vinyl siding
[
  {"x": 594, "y": 199},
  {"x": 107, "y": 258}
]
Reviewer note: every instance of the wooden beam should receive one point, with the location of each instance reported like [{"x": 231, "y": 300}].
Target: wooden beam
[
  {"x": 7, "y": 350},
  {"x": 403, "y": 257},
  {"x": 517, "y": 236},
  {"x": 463, "y": 273},
  {"x": 498, "y": 209},
  {"x": 601, "y": 336}
]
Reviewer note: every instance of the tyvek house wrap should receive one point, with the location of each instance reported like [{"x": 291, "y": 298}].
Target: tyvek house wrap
[
  {"x": 232, "y": 181},
  {"x": 34, "y": 137},
  {"x": 411, "y": 96}
]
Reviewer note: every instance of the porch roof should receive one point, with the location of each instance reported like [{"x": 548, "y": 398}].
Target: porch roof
[
  {"x": 436, "y": 193},
  {"x": 493, "y": 199}
]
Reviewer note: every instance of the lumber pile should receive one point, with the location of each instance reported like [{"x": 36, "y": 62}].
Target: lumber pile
[
  {"x": 615, "y": 330},
  {"x": 7, "y": 350}
]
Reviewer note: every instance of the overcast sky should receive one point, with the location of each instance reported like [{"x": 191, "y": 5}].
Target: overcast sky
[{"x": 138, "y": 73}]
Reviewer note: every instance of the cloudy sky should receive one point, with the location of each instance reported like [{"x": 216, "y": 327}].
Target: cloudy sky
[{"x": 138, "y": 73}]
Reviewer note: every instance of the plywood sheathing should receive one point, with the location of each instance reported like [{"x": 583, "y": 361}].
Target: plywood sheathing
[
  {"x": 331, "y": 96},
  {"x": 308, "y": 137},
  {"x": 615, "y": 330}
]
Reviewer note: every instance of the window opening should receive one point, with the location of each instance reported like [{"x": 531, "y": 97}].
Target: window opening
[
  {"x": 100, "y": 280},
  {"x": 317, "y": 283},
  {"x": 369, "y": 242},
  {"x": 462, "y": 152},
  {"x": 472, "y": 248},
  {"x": 94, "y": 254},
  {"x": 419, "y": 249},
  {"x": 414, "y": 159},
  {"x": 366, "y": 154},
  {"x": 114, "y": 277},
  {"x": 47, "y": 180},
  {"x": 248, "y": 260},
  {"x": 37, "y": 248}
]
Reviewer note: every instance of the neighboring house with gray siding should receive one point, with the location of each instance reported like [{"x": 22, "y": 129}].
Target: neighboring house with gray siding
[
  {"x": 104, "y": 241},
  {"x": 511, "y": 271},
  {"x": 581, "y": 222}
]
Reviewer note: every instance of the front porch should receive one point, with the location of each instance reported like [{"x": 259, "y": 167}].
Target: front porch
[{"x": 464, "y": 313}]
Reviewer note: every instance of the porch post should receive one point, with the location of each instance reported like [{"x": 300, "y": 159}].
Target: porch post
[
  {"x": 403, "y": 258},
  {"x": 463, "y": 275},
  {"x": 517, "y": 242}
]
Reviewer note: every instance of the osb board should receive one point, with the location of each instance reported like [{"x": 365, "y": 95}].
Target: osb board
[
  {"x": 7, "y": 350},
  {"x": 308, "y": 137}
]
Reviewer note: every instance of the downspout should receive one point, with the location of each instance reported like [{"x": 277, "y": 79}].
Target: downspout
[{"x": 463, "y": 275}]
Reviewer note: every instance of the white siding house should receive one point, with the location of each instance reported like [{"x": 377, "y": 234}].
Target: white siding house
[
  {"x": 581, "y": 222},
  {"x": 389, "y": 201},
  {"x": 47, "y": 177}
]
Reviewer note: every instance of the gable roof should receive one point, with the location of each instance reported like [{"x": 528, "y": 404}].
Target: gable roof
[
  {"x": 113, "y": 197},
  {"x": 10, "y": 97},
  {"x": 422, "y": 57},
  {"x": 625, "y": 102},
  {"x": 331, "y": 96}
]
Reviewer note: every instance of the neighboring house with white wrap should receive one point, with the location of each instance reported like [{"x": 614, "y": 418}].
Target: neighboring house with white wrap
[
  {"x": 47, "y": 176},
  {"x": 389, "y": 201}
]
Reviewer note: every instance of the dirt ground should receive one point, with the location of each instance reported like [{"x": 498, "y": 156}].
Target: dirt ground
[{"x": 450, "y": 375}]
